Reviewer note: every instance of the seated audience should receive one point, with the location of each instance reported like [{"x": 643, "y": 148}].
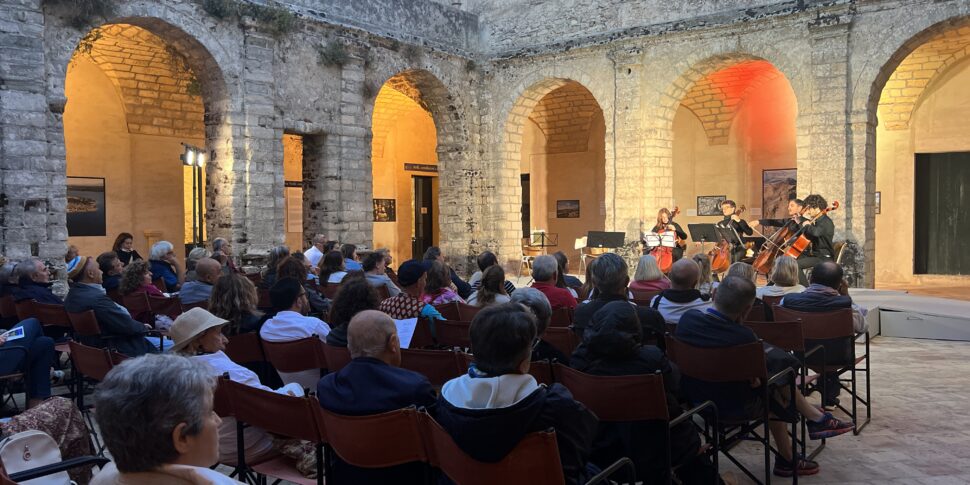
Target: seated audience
[
  {"x": 166, "y": 265},
  {"x": 137, "y": 279},
  {"x": 354, "y": 296},
  {"x": 682, "y": 295},
  {"x": 545, "y": 272},
  {"x": 292, "y": 267},
  {"x": 613, "y": 346},
  {"x": 374, "y": 383},
  {"x": 208, "y": 272},
  {"x": 434, "y": 254},
  {"x": 118, "y": 330},
  {"x": 234, "y": 298},
  {"x": 315, "y": 253},
  {"x": 349, "y": 253},
  {"x": 8, "y": 277},
  {"x": 488, "y": 410},
  {"x": 412, "y": 275},
  {"x": 221, "y": 245},
  {"x": 720, "y": 326},
  {"x": 743, "y": 270},
  {"x": 828, "y": 292},
  {"x": 332, "y": 269},
  {"x": 438, "y": 288},
  {"x": 111, "y": 268},
  {"x": 648, "y": 276},
  {"x": 268, "y": 276},
  {"x": 59, "y": 418},
  {"x": 537, "y": 302},
  {"x": 124, "y": 247},
  {"x": 566, "y": 280},
  {"x": 157, "y": 420},
  {"x": 783, "y": 277},
  {"x": 71, "y": 258},
  {"x": 587, "y": 292},
  {"x": 486, "y": 260},
  {"x": 290, "y": 324},
  {"x": 491, "y": 289},
  {"x": 36, "y": 362},
  {"x": 198, "y": 335},
  {"x": 705, "y": 283},
  {"x": 375, "y": 269},
  {"x": 331, "y": 246},
  {"x": 609, "y": 275},
  {"x": 309, "y": 271},
  {"x": 388, "y": 259},
  {"x": 192, "y": 259},
  {"x": 34, "y": 283}
]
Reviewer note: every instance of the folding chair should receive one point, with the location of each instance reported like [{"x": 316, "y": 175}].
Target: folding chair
[
  {"x": 53, "y": 315},
  {"x": 453, "y": 333},
  {"x": 25, "y": 309},
  {"x": 449, "y": 311},
  {"x": 263, "y": 301},
  {"x": 204, "y": 304},
  {"x": 298, "y": 355},
  {"x": 6, "y": 380},
  {"x": 160, "y": 284},
  {"x": 376, "y": 441},
  {"x": 329, "y": 290},
  {"x": 139, "y": 308},
  {"x": 628, "y": 399},
  {"x": 168, "y": 306},
  {"x": 834, "y": 331},
  {"x": 8, "y": 310},
  {"x": 383, "y": 293},
  {"x": 337, "y": 357},
  {"x": 466, "y": 312},
  {"x": 115, "y": 296},
  {"x": 91, "y": 364},
  {"x": 439, "y": 366},
  {"x": 542, "y": 371},
  {"x": 740, "y": 364},
  {"x": 423, "y": 336},
  {"x": 43, "y": 471},
  {"x": 643, "y": 297},
  {"x": 757, "y": 313},
  {"x": 245, "y": 348},
  {"x": 563, "y": 339},
  {"x": 561, "y": 317},
  {"x": 770, "y": 303}
]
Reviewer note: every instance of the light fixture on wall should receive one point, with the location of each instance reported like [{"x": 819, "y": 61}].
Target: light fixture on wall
[{"x": 194, "y": 157}]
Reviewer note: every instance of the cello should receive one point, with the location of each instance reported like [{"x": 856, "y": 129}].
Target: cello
[
  {"x": 774, "y": 247},
  {"x": 665, "y": 254},
  {"x": 721, "y": 254},
  {"x": 798, "y": 243}
]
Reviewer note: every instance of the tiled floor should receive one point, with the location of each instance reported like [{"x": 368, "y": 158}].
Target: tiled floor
[{"x": 920, "y": 432}]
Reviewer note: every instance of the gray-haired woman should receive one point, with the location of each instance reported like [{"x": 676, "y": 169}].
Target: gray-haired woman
[
  {"x": 156, "y": 417},
  {"x": 536, "y": 301}
]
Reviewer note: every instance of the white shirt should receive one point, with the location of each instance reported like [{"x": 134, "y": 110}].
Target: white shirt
[
  {"x": 672, "y": 311},
  {"x": 778, "y": 290},
  {"x": 336, "y": 277},
  {"x": 473, "y": 299},
  {"x": 313, "y": 255},
  {"x": 288, "y": 326}
]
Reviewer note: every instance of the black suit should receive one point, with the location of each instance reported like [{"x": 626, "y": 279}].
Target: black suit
[
  {"x": 118, "y": 330},
  {"x": 742, "y": 229},
  {"x": 822, "y": 249}
]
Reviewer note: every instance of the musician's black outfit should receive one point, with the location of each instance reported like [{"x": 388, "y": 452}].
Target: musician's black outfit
[
  {"x": 678, "y": 251},
  {"x": 782, "y": 223},
  {"x": 822, "y": 249},
  {"x": 742, "y": 229}
]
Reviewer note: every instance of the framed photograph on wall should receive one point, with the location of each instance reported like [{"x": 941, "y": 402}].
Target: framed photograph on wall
[
  {"x": 385, "y": 210},
  {"x": 710, "y": 205},
  {"x": 85, "y": 207},
  {"x": 777, "y": 188},
  {"x": 567, "y": 209}
]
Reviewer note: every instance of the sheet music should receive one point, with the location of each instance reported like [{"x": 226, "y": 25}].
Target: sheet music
[{"x": 405, "y": 330}]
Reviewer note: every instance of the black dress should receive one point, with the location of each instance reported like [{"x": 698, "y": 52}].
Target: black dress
[{"x": 128, "y": 257}]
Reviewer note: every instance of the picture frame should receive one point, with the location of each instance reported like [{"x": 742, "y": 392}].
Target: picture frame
[
  {"x": 778, "y": 186},
  {"x": 878, "y": 202},
  {"x": 86, "y": 209},
  {"x": 385, "y": 210},
  {"x": 710, "y": 205},
  {"x": 567, "y": 209}
]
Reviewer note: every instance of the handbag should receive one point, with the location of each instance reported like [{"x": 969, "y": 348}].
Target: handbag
[{"x": 32, "y": 449}]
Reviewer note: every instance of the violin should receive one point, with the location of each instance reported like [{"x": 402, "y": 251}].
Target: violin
[
  {"x": 721, "y": 254},
  {"x": 799, "y": 242}
]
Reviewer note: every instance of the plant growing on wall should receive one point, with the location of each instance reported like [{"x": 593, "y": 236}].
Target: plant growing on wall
[
  {"x": 332, "y": 54},
  {"x": 275, "y": 19},
  {"x": 81, "y": 14}
]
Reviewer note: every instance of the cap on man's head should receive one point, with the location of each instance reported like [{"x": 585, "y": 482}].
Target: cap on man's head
[
  {"x": 76, "y": 268},
  {"x": 411, "y": 270}
]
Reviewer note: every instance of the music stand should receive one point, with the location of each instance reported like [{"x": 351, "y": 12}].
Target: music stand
[
  {"x": 602, "y": 239},
  {"x": 703, "y": 233},
  {"x": 728, "y": 234},
  {"x": 544, "y": 240}
]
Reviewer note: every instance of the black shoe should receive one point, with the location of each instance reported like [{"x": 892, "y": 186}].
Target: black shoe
[
  {"x": 829, "y": 426},
  {"x": 803, "y": 467}
]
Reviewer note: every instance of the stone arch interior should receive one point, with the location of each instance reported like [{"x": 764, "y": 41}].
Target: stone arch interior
[
  {"x": 733, "y": 136},
  {"x": 133, "y": 101}
]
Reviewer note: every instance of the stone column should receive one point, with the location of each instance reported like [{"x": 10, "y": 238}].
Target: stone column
[{"x": 633, "y": 182}]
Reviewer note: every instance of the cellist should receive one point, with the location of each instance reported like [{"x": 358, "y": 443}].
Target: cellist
[
  {"x": 731, "y": 219},
  {"x": 820, "y": 232},
  {"x": 666, "y": 223},
  {"x": 794, "y": 220}
]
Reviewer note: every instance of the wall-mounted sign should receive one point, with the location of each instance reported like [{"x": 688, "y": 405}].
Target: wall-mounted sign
[
  {"x": 293, "y": 183},
  {"x": 420, "y": 167}
]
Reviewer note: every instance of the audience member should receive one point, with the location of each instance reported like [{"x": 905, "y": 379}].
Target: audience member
[
  {"x": 375, "y": 269},
  {"x": 349, "y": 253},
  {"x": 434, "y": 253},
  {"x": 315, "y": 253},
  {"x": 374, "y": 383},
  {"x": 290, "y": 324},
  {"x": 222, "y": 245},
  {"x": 331, "y": 246},
  {"x": 354, "y": 296},
  {"x": 71, "y": 257},
  {"x": 610, "y": 276},
  {"x": 192, "y": 259},
  {"x": 783, "y": 277},
  {"x": 156, "y": 417},
  {"x": 648, "y": 276},
  {"x": 438, "y": 288},
  {"x": 136, "y": 279},
  {"x": 268, "y": 276},
  {"x": 293, "y": 267},
  {"x": 208, "y": 272},
  {"x": 111, "y": 267},
  {"x": 166, "y": 266},
  {"x": 587, "y": 292},
  {"x": 491, "y": 289},
  {"x": 309, "y": 271},
  {"x": 234, "y": 298},
  {"x": 743, "y": 270},
  {"x": 682, "y": 295},
  {"x": 563, "y": 278},
  {"x": 720, "y": 326},
  {"x": 613, "y": 346},
  {"x": 124, "y": 246},
  {"x": 488, "y": 410},
  {"x": 413, "y": 277},
  {"x": 332, "y": 270},
  {"x": 388, "y": 259},
  {"x": 59, "y": 418},
  {"x": 545, "y": 271},
  {"x": 118, "y": 329},
  {"x": 8, "y": 278},
  {"x": 36, "y": 360},
  {"x": 705, "y": 283},
  {"x": 537, "y": 302},
  {"x": 34, "y": 283},
  {"x": 484, "y": 261}
]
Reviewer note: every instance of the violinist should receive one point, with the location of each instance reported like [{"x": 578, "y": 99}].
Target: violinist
[
  {"x": 820, "y": 230},
  {"x": 665, "y": 222},
  {"x": 794, "y": 220},
  {"x": 732, "y": 218}
]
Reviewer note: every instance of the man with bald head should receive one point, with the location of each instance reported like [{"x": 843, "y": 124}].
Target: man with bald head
[
  {"x": 683, "y": 294},
  {"x": 372, "y": 383},
  {"x": 207, "y": 272}
]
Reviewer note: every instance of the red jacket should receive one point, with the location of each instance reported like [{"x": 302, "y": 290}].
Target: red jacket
[{"x": 558, "y": 297}]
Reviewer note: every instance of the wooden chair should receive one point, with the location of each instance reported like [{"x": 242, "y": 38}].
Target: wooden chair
[
  {"x": 115, "y": 296},
  {"x": 168, "y": 306},
  {"x": 256, "y": 278},
  {"x": 383, "y": 293},
  {"x": 90, "y": 365},
  {"x": 834, "y": 331},
  {"x": 561, "y": 317},
  {"x": 25, "y": 309},
  {"x": 643, "y": 297},
  {"x": 160, "y": 284},
  {"x": 296, "y": 356},
  {"x": 453, "y": 334},
  {"x": 466, "y": 312},
  {"x": 204, "y": 304},
  {"x": 422, "y": 337},
  {"x": 737, "y": 364},
  {"x": 53, "y": 315},
  {"x": 263, "y": 302},
  {"x": 337, "y": 357},
  {"x": 449, "y": 311},
  {"x": 757, "y": 313},
  {"x": 375, "y": 441},
  {"x": 563, "y": 339},
  {"x": 542, "y": 371},
  {"x": 329, "y": 290},
  {"x": 7, "y": 380},
  {"x": 439, "y": 366},
  {"x": 245, "y": 348},
  {"x": 138, "y": 307},
  {"x": 8, "y": 310},
  {"x": 770, "y": 303}
]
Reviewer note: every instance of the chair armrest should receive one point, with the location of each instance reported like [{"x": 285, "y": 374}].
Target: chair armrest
[
  {"x": 695, "y": 410},
  {"x": 810, "y": 352},
  {"x": 775, "y": 378},
  {"x": 860, "y": 334},
  {"x": 615, "y": 467},
  {"x": 43, "y": 471}
]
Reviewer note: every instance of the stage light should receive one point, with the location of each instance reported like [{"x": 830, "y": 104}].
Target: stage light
[{"x": 190, "y": 157}]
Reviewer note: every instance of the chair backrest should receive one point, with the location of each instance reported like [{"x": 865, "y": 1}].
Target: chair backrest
[
  {"x": 244, "y": 348},
  {"x": 449, "y": 311},
  {"x": 722, "y": 364},
  {"x": 91, "y": 362},
  {"x": 337, "y": 357},
  {"x": 561, "y": 317},
  {"x": 770, "y": 303},
  {"x": 534, "y": 461},
  {"x": 221, "y": 400},
  {"x": 204, "y": 304},
  {"x": 292, "y": 417},
  {"x": 263, "y": 301},
  {"x": 541, "y": 371},
  {"x": 138, "y": 306},
  {"x": 617, "y": 398},
  {"x": 25, "y": 309},
  {"x": 563, "y": 339},
  {"x": 643, "y": 297},
  {"x": 383, "y": 292},
  {"x": 160, "y": 284},
  {"x": 820, "y": 326},
  {"x": 52, "y": 315},
  {"x": 439, "y": 366},
  {"x": 839, "y": 248},
  {"x": 375, "y": 441},
  {"x": 168, "y": 306},
  {"x": 452, "y": 333},
  {"x": 422, "y": 335},
  {"x": 329, "y": 290},
  {"x": 85, "y": 324},
  {"x": 784, "y": 335},
  {"x": 256, "y": 278},
  {"x": 296, "y": 356},
  {"x": 467, "y": 312},
  {"x": 757, "y": 313},
  {"x": 8, "y": 309},
  {"x": 115, "y": 296}
]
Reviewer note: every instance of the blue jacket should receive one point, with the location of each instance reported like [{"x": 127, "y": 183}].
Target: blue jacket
[
  {"x": 39, "y": 292},
  {"x": 163, "y": 270},
  {"x": 194, "y": 292},
  {"x": 118, "y": 330},
  {"x": 111, "y": 282}
]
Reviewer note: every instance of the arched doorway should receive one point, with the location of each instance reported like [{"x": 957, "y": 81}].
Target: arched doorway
[
  {"x": 134, "y": 103},
  {"x": 733, "y": 137},
  {"x": 922, "y": 154}
]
